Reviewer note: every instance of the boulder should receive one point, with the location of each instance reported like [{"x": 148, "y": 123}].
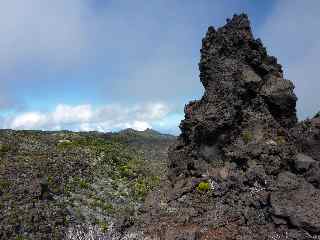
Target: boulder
[
  {"x": 303, "y": 162},
  {"x": 298, "y": 202},
  {"x": 307, "y": 137}
]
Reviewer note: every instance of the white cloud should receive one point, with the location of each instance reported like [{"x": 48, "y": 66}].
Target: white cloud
[
  {"x": 28, "y": 120},
  {"x": 86, "y": 118},
  {"x": 72, "y": 114}
]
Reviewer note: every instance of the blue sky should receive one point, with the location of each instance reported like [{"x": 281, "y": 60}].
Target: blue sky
[{"x": 107, "y": 65}]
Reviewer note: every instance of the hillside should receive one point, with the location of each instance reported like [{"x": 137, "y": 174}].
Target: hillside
[{"x": 55, "y": 185}]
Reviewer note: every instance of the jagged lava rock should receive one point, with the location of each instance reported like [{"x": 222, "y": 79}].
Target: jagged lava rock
[
  {"x": 238, "y": 139},
  {"x": 306, "y": 135},
  {"x": 246, "y": 99}
]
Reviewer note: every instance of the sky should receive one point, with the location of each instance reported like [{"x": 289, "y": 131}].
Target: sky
[{"x": 107, "y": 65}]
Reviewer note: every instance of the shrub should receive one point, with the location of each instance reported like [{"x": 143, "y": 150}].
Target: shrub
[
  {"x": 20, "y": 237},
  {"x": 105, "y": 206},
  {"x": 64, "y": 145},
  {"x": 132, "y": 168},
  {"x": 4, "y": 185},
  {"x": 247, "y": 136},
  {"x": 76, "y": 183},
  {"x": 83, "y": 184},
  {"x": 280, "y": 140},
  {"x": 203, "y": 187},
  {"x": 143, "y": 185},
  {"x": 4, "y": 148},
  {"x": 104, "y": 227}
]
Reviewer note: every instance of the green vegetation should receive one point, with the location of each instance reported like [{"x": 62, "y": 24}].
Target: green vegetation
[
  {"x": 64, "y": 144},
  {"x": 247, "y": 136},
  {"x": 280, "y": 140},
  {"x": 130, "y": 135},
  {"x": 143, "y": 185},
  {"x": 4, "y": 148},
  {"x": 93, "y": 178},
  {"x": 20, "y": 237},
  {"x": 103, "y": 226},
  {"x": 83, "y": 184},
  {"x": 132, "y": 168},
  {"x": 99, "y": 203},
  {"x": 203, "y": 187},
  {"x": 4, "y": 185},
  {"x": 121, "y": 171},
  {"x": 317, "y": 114}
]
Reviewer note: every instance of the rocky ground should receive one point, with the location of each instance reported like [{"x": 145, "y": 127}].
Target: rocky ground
[{"x": 66, "y": 185}]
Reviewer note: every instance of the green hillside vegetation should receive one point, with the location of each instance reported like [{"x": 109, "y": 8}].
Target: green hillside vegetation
[{"x": 50, "y": 181}]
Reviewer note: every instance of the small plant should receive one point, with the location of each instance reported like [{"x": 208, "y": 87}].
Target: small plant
[
  {"x": 280, "y": 140},
  {"x": 133, "y": 168},
  {"x": 105, "y": 206},
  {"x": 4, "y": 185},
  {"x": 4, "y": 148},
  {"x": 203, "y": 187},
  {"x": 83, "y": 184},
  {"x": 104, "y": 227},
  {"x": 64, "y": 144},
  {"x": 50, "y": 180},
  {"x": 140, "y": 189},
  {"x": 143, "y": 185},
  {"x": 20, "y": 237},
  {"x": 76, "y": 183},
  {"x": 247, "y": 136}
]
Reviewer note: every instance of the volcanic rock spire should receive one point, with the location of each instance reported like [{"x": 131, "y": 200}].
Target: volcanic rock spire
[{"x": 246, "y": 99}]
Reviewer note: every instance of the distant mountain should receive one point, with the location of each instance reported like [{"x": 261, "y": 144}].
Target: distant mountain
[{"x": 146, "y": 134}]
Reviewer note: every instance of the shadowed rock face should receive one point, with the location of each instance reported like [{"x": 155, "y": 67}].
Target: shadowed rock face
[
  {"x": 307, "y": 136},
  {"x": 307, "y": 139},
  {"x": 237, "y": 170}
]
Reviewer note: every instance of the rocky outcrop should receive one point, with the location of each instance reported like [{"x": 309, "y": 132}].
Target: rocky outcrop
[
  {"x": 307, "y": 140},
  {"x": 236, "y": 171},
  {"x": 246, "y": 101},
  {"x": 307, "y": 136}
]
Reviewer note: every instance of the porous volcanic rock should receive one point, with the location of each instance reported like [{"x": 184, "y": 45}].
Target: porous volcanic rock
[
  {"x": 236, "y": 171},
  {"x": 306, "y": 135}
]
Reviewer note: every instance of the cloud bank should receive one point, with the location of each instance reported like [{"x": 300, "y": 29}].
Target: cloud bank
[{"x": 88, "y": 118}]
